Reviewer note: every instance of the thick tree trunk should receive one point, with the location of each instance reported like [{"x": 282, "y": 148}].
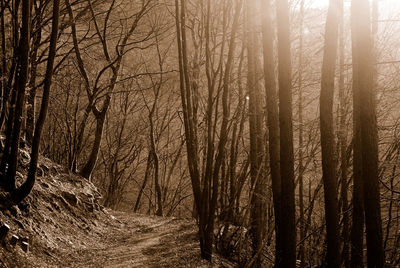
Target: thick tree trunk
[
  {"x": 20, "y": 83},
  {"x": 357, "y": 227},
  {"x": 327, "y": 135},
  {"x": 363, "y": 62},
  {"x": 286, "y": 136}
]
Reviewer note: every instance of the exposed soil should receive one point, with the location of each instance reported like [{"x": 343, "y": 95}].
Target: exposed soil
[
  {"x": 134, "y": 240},
  {"x": 66, "y": 227}
]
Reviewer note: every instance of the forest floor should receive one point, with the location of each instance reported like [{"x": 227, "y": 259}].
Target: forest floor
[
  {"x": 66, "y": 227},
  {"x": 133, "y": 240}
]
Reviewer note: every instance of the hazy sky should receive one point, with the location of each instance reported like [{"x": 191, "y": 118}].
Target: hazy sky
[
  {"x": 383, "y": 3},
  {"x": 387, "y": 8}
]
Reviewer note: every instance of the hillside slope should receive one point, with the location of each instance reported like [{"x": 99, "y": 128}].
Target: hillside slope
[{"x": 66, "y": 227}]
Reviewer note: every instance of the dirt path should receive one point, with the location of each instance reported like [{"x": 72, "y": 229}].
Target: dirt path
[
  {"x": 132, "y": 240},
  {"x": 66, "y": 227}
]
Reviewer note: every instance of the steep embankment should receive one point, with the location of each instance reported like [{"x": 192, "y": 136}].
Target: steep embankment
[{"x": 65, "y": 226}]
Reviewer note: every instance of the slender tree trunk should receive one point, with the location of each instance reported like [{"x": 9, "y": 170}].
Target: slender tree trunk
[
  {"x": 7, "y": 145},
  {"x": 79, "y": 139},
  {"x": 146, "y": 178},
  {"x": 258, "y": 207},
  {"x": 301, "y": 138},
  {"x": 6, "y": 95},
  {"x": 12, "y": 75},
  {"x": 273, "y": 126},
  {"x": 31, "y": 109},
  {"x": 343, "y": 147},
  {"x": 20, "y": 82},
  {"x": 3, "y": 68},
  {"x": 171, "y": 170},
  {"x": 26, "y": 188},
  {"x": 159, "y": 211},
  {"x": 205, "y": 184},
  {"x": 87, "y": 169},
  {"x": 391, "y": 202}
]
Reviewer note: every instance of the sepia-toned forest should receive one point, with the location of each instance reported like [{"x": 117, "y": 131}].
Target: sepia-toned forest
[{"x": 274, "y": 124}]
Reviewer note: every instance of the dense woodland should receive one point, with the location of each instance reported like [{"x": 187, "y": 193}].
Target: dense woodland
[{"x": 273, "y": 124}]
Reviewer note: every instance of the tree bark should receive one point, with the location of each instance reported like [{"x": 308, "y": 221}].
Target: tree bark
[
  {"x": 146, "y": 178},
  {"x": 87, "y": 169},
  {"x": 343, "y": 146},
  {"x": 327, "y": 135},
  {"x": 363, "y": 65},
  {"x": 31, "y": 109},
  {"x": 357, "y": 227},
  {"x": 258, "y": 184},
  {"x": 273, "y": 125},
  {"x": 301, "y": 140},
  {"x": 286, "y": 135},
  {"x": 27, "y": 186},
  {"x": 20, "y": 83}
]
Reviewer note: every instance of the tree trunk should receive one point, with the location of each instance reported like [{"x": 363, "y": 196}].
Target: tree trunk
[
  {"x": 79, "y": 139},
  {"x": 363, "y": 65},
  {"x": 31, "y": 109},
  {"x": 301, "y": 138},
  {"x": 327, "y": 135},
  {"x": 343, "y": 147},
  {"x": 20, "y": 82},
  {"x": 357, "y": 227},
  {"x": 146, "y": 177},
  {"x": 26, "y": 188},
  {"x": 3, "y": 68},
  {"x": 87, "y": 169},
  {"x": 286, "y": 136},
  {"x": 205, "y": 183},
  {"x": 8, "y": 133},
  {"x": 273, "y": 125},
  {"x": 159, "y": 211},
  {"x": 258, "y": 182},
  {"x": 6, "y": 94}
]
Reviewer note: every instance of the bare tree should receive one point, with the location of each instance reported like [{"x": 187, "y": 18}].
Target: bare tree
[
  {"x": 26, "y": 188},
  {"x": 205, "y": 151},
  {"x": 98, "y": 91},
  {"x": 18, "y": 194}
]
